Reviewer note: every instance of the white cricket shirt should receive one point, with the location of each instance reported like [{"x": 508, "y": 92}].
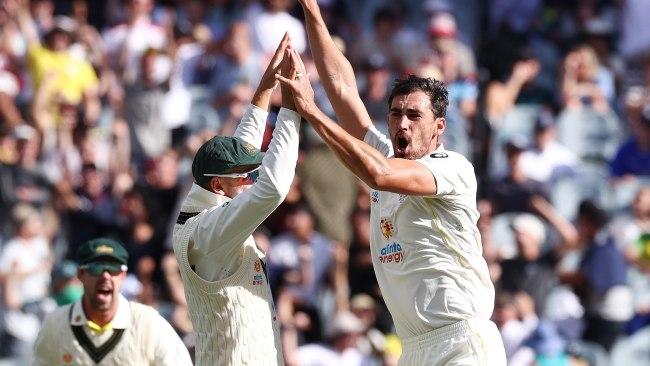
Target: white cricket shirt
[
  {"x": 427, "y": 251},
  {"x": 223, "y": 271}
]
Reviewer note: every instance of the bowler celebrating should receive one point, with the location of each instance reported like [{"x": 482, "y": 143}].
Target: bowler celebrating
[{"x": 425, "y": 245}]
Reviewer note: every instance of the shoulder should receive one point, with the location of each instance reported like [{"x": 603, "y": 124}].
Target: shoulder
[
  {"x": 448, "y": 159},
  {"x": 56, "y": 318},
  {"x": 144, "y": 312}
]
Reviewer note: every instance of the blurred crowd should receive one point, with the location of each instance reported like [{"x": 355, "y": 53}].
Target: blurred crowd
[{"x": 103, "y": 104}]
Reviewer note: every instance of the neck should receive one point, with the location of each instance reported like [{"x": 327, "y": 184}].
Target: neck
[{"x": 99, "y": 317}]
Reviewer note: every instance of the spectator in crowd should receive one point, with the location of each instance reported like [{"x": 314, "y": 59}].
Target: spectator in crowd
[
  {"x": 236, "y": 72},
  {"x": 144, "y": 105},
  {"x": 302, "y": 256},
  {"x": 547, "y": 161},
  {"x": 342, "y": 349},
  {"x": 94, "y": 211},
  {"x": 25, "y": 264},
  {"x": 73, "y": 79},
  {"x": 66, "y": 287},
  {"x": 585, "y": 82},
  {"x": 514, "y": 192},
  {"x": 633, "y": 156},
  {"x": 601, "y": 280},
  {"x": 127, "y": 42},
  {"x": 270, "y": 21}
]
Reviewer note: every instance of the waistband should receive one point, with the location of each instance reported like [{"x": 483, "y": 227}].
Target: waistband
[{"x": 438, "y": 335}]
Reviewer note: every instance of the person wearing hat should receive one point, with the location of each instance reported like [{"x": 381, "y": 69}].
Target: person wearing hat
[
  {"x": 236, "y": 187},
  {"x": 103, "y": 327}
]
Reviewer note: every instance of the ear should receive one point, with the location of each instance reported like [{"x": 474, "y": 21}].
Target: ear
[
  {"x": 441, "y": 124},
  {"x": 215, "y": 185}
]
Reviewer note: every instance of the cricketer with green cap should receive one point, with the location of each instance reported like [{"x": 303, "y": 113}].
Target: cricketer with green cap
[
  {"x": 102, "y": 254},
  {"x": 103, "y": 327},
  {"x": 223, "y": 271}
]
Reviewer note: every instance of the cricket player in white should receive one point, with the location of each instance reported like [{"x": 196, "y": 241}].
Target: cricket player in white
[
  {"x": 222, "y": 269},
  {"x": 425, "y": 245}
]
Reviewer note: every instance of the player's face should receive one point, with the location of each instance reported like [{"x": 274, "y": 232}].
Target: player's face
[
  {"x": 233, "y": 186},
  {"x": 101, "y": 292},
  {"x": 413, "y": 128}
]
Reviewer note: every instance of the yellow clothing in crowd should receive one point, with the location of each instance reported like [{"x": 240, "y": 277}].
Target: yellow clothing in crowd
[{"x": 72, "y": 75}]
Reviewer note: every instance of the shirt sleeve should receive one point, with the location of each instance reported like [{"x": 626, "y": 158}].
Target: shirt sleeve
[
  {"x": 379, "y": 141},
  {"x": 252, "y": 125},
  {"x": 454, "y": 175},
  {"x": 225, "y": 228}
]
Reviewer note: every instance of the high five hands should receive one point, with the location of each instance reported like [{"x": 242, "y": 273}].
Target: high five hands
[{"x": 294, "y": 77}]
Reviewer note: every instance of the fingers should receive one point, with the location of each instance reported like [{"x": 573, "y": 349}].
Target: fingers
[
  {"x": 285, "y": 82},
  {"x": 277, "y": 56},
  {"x": 288, "y": 69},
  {"x": 296, "y": 60}
]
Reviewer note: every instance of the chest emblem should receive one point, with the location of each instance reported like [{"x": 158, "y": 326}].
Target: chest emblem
[
  {"x": 257, "y": 266},
  {"x": 387, "y": 228},
  {"x": 374, "y": 197},
  {"x": 67, "y": 358}
]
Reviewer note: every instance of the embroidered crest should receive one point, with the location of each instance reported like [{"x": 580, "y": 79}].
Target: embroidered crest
[
  {"x": 374, "y": 196},
  {"x": 257, "y": 266},
  {"x": 387, "y": 228},
  {"x": 104, "y": 249},
  {"x": 248, "y": 147},
  {"x": 67, "y": 358}
]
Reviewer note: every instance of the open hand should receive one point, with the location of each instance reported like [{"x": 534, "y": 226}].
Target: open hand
[
  {"x": 294, "y": 77},
  {"x": 268, "y": 80}
]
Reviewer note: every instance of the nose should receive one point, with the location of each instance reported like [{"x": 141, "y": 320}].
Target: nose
[
  {"x": 105, "y": 275},
  {"x": 403, "y": 123}
]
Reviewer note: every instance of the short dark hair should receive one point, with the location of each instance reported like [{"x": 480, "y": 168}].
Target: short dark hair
[
  {"x": 435, "y": 89},
  {"x": 593, "y": 213}
]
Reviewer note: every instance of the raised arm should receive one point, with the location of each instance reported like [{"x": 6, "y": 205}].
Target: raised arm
[
  {"x": 371, "y": 166},
  {"x": 239, "y": 217},
  {"x": 336, "y": 74},
  {"x": 252, "y": 125}
]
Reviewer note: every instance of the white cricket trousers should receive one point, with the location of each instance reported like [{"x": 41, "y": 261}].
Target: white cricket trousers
[{"x": 473, "y": 342}]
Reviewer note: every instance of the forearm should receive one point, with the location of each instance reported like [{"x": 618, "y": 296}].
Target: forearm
[
  {"x": 336, "y": 74},
  {"x": 364, "y": 161},
  {"x": 252, "y": 125}
]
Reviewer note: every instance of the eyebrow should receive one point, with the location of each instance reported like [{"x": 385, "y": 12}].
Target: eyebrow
[{"x": 409, "y": 110}]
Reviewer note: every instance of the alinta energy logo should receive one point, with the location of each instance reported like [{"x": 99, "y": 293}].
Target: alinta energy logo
[{"x": 391, "y": 253}]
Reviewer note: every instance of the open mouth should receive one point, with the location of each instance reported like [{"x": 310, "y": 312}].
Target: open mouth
[{"x": 401, "y": 143}]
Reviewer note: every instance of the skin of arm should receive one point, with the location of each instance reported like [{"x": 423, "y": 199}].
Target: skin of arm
[
  {"x": 336, "y": 74},
  {"x": 380, "y": 173}
]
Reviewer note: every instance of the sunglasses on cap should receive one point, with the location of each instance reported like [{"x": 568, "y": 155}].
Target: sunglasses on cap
[
  {"x": 253, "y": 175},
  {"x": 96, "y": 269}
]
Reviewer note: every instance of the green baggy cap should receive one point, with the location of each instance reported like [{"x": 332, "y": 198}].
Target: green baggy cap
[
  {"x": 102, "y": 250},
  {"x": 224, "y": 155}
]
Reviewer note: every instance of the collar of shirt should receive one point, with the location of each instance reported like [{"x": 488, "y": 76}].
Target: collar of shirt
[
  {"x": 199, "y": 198},
  {"x": 121, "y": 320}
]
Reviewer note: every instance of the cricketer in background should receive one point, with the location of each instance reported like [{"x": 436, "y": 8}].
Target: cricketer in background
[{"x": 104, "y": 328}]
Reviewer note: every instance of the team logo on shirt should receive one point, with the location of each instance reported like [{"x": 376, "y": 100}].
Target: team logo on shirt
[
  {"x": 67, "y": 358},
  {"x": 258, "y": 279},
  {"x": 374, "y": 196},
  {"x": 391, "y": 253},
  {"x": 387, "y": 228}
]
